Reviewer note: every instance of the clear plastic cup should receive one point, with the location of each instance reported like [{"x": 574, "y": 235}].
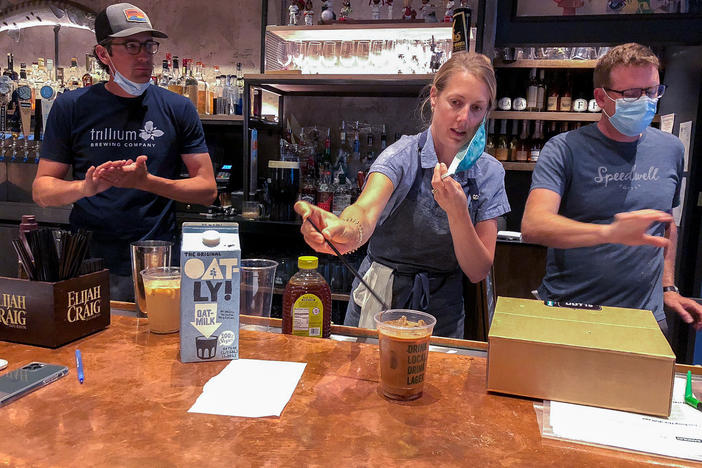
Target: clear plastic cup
[
  {"x": 162, "y": 292},
  {"x": 257, "y": 281},
  {"x": 147, "y": 254},
  {"x": 403, "y": 338}
]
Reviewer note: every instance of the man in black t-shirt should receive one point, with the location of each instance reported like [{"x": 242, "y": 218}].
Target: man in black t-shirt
[{"x": 125, "y": 140}]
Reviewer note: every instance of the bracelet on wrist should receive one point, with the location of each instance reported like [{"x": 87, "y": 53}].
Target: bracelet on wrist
[{"x": 359, "y": 228}]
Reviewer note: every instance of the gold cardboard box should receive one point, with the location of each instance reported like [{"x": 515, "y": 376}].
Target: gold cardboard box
[{"x": 613, "y": 358}]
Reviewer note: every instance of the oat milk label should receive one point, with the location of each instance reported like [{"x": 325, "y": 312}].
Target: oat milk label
[{"x": 209, "y": 292}]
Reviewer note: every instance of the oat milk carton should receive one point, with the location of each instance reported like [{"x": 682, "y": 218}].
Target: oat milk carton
[{"x": 209, "y": 292}]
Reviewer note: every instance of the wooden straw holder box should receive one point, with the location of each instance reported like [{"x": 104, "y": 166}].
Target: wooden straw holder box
[{"x": 53, "y": 314}]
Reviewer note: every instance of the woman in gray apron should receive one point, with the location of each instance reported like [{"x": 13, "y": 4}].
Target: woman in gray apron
[{"x": 425, "y": 230}]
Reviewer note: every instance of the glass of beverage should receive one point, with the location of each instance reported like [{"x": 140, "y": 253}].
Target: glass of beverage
[
  {"x": 346, "y": 56},
  {"x": 147, "y": 254},
  {"x": 362, "y": 53},
  {"x": 403, "y": 338},
  {"x": 162, "y": 288},
  {"x": 285, "y": 54},
  {"x": 314, "y": 56},
  {"x": 298, "y": 50},
  {"x": 329, "y": 57},
  {"x": 251, "y": 209}
]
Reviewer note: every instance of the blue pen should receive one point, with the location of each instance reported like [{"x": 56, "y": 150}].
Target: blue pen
[{"x": 79, "y": 366}]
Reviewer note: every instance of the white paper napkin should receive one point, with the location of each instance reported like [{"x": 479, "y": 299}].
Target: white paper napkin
[{"x": 250, "y": 388}]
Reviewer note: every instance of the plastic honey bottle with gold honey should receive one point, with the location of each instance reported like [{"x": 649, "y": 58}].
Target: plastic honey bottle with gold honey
[{"x": 307, "y": 301}]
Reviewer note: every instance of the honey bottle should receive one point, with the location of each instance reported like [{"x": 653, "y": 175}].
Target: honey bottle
[{"x": 307, "y": 301}]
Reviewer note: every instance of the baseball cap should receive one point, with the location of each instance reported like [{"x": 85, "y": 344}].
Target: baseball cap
[{"x": 121, "y": 20}]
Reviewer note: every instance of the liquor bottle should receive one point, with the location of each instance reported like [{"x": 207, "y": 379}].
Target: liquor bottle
[
  {"x": 519, "y": 102},
  {"x": 325, "y": 191},
  {"x": 326, "y": 156},
  {"x": 87, "y": 78},
  {"x": 343, "y": 155},
  {"x": 356, "y": 161},
  {"x": 73, "y": 80},
  {"x": 165, "y": 75},
  {"x": 532, "y": 91},
  {"x": 552, "y": 130},
  {"x": 514, "y": 141},
  {"x": 565, "y": 101},
  {"x": 504, "y": 103},
  {"x": 203, "y": 91},
  {"x": 175, "y": 77},
  {"x": 308, "y": 191},
  {"x": 536, "y": 141},
  {"x": 190, "y": 84},
  {"x": 524, "y": 145},
  {"x": 541, "y": 92},
  {"x": 370, "y": 155},
  {"x": 564, "y": 127},
  {"x": 383, "y": 140},
  {"x": 502, "y": 145},
  {"x": 342, "y": 195},
  {"x": 239, "y": 89},
  {"x": 10, "y": 71},
  {"x": 553, "y": 95},
  {"x": 216, "y": 88},
  {"x": 60, "y": 80},
  {"x": 490, "y": 140},
  {"x": 49, "y": 69},
  {"x": 461, "y": 27},
  {"x": 580, "y": 101}
]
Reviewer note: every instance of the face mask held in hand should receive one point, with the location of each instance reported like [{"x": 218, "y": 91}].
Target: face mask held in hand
[
  {"x": 632, "y": 118},
  {"x": 468, "y": 154}
]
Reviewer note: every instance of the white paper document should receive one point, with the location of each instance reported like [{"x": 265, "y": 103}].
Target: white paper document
[
  {"x": 250, "y": 388},
  {"x": 680, "y": 435}
]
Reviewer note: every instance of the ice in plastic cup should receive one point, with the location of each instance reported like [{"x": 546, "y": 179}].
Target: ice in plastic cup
[
  {"x": 403, "y": 338},
  {"x": 147, "y": 254},
  {"x": 162, "y": 293}
]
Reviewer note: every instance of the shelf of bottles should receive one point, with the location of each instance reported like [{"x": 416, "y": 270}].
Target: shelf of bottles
[
  {"x": 360, "y": 49},
  {"x": 217, "y": 96},
  {"x": 546, "y": 63}
]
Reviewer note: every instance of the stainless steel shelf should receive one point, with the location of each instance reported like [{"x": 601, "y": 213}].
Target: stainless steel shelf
[{"x": 340, "y": 85}]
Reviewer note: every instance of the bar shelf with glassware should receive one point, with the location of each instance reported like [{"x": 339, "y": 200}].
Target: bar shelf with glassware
[{"x": 360, "y": 48}]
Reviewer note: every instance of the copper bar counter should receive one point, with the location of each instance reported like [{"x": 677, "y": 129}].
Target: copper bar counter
[{"x": 132, "y": 411}]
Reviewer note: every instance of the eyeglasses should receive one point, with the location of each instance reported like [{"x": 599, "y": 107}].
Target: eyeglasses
[
  {"x": 134, "y": 47},
  {"x": 632, "y": 94}
]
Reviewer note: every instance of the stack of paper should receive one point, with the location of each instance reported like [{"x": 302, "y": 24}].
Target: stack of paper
[
  {"x": 250, "y": 388},
  {"x": 680, "y": 435}
]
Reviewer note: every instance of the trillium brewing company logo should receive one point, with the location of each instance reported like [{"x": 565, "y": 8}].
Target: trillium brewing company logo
[{"x": 125, "y": 138}]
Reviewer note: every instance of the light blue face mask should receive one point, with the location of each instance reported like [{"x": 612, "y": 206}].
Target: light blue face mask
[
  {"x": 469, "y": 153},
  {"x": 632, "y": 118},
  {"x": 129, "y": 87}
]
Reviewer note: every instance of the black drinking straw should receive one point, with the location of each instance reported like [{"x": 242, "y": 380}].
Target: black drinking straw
[{"x": 348, "y": 265}]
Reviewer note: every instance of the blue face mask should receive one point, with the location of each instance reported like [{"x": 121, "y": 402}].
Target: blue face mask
[
  {"x": 632, "y": 118},
  {"x": 470, "y": 153},
  {"x": 129, "y": 87}
]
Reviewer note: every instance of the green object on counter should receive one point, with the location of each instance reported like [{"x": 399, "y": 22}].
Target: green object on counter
[{"x": 689, "y": 397}]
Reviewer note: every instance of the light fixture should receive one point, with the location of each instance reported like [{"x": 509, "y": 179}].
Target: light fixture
[{"x": 46, "y": 13}]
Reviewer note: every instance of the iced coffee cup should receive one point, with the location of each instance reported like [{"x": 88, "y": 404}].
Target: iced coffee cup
[
  {"x": 403, "y": 337},
  {"x": 162, "y": 294}
]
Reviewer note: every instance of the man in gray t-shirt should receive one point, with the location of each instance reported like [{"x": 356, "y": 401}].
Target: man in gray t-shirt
[{"x": 601, "y": 198}]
